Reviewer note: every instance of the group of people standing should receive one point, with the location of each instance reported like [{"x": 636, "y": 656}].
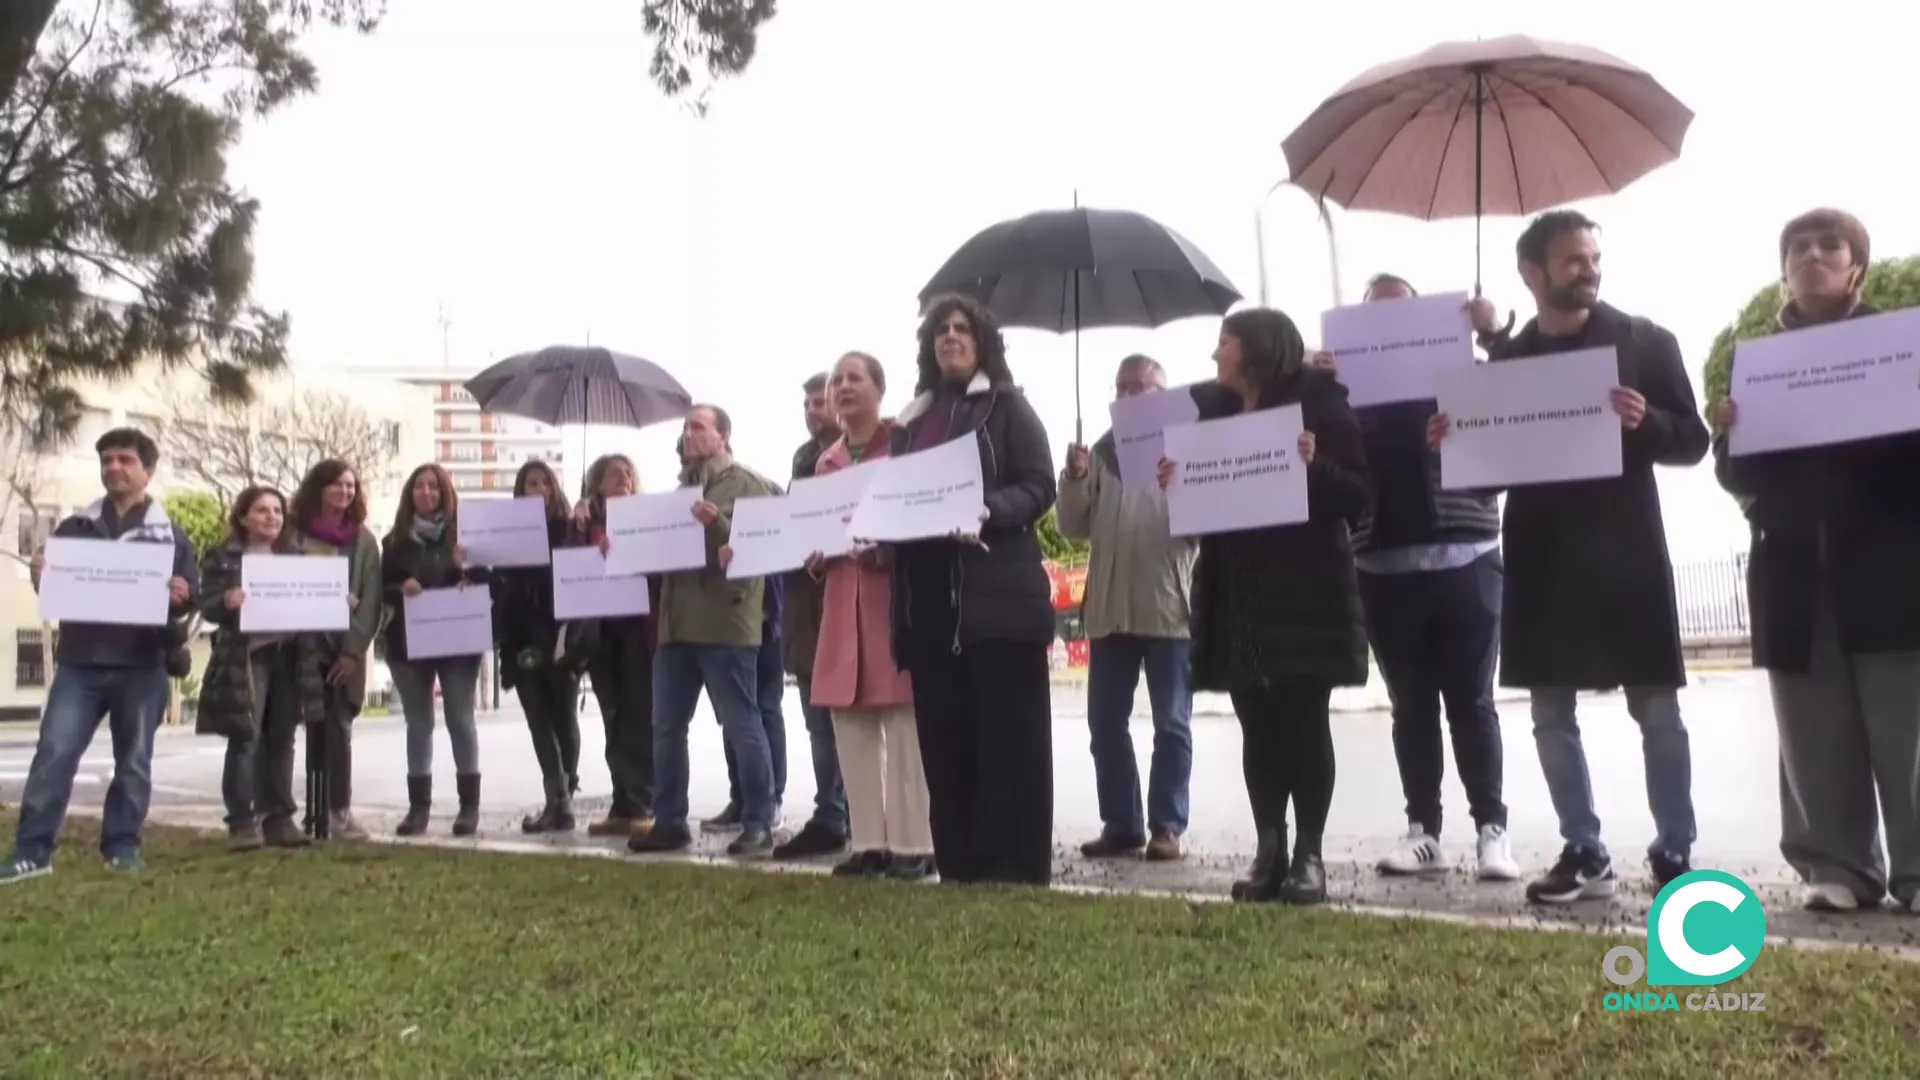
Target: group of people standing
[{"x": 923, "y": 667}]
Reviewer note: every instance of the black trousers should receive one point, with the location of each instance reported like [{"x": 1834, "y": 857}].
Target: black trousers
[
  {"x": 985, "y": 717},
  {"x": 550, "y": 697},
  {"x": 1287, "y": 754},
  {"x": 257, "y": 781},
  {"x": 622, "y": 674},
  {"x": 1437, "y": 637},
  {"x": 329, "y": 760}
]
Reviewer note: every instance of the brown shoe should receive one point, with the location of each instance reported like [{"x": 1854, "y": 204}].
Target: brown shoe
[
  {"x": 612, "y": 826},
  {"x": 1164, "y": 847},
  {"x": 1112, "y": 845},
  {"x": 245, "y": 837},
  {"x": 281, "y": 832},
  {"x": 643, "y": 825}
]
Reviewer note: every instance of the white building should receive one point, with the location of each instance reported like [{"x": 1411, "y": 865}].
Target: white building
[{"x": 481, "y": 451}]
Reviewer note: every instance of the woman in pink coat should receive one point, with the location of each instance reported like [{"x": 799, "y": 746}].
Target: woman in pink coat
[{"x": 854, "y": 672}]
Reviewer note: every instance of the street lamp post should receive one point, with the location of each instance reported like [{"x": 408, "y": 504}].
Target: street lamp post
[{"x": 1260, "y": 239}]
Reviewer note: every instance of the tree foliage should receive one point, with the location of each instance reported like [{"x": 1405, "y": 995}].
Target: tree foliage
[
  {"x": 1055, "y": 546},
  {"x": 1891, "y": 284},
  {"x": 202, "y": 516},
  {"x": 223, "y": 448},
  {"x": 719, "y": 36},
  {"x": 121, "y": 239}
]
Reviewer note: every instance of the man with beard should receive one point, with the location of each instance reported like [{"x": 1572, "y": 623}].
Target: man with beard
[{"x": 1589, "y": 601}]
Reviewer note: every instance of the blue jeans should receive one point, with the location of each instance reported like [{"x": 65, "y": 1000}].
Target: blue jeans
[
  {"x": 1664, "y": 745},
  {"x": 730, "y": 677},
  {"x": 1113, "y": 674},
  {"x": 132, "y": 700},
  {"x": 770, "y": 692},
  {"x": 829, "y": 793}
]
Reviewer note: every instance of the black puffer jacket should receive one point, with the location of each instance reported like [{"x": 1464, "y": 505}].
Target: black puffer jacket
[
  {"x": 949, "y": 595},
  {"x": 432, "y": 565},
  {"x": 523, "y": 609}
]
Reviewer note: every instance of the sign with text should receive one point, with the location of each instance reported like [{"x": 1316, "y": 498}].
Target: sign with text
[
  {"x": 449, "y": 622},
  {"x": 922, "y": 495},
  {"x": 505, "y": 532},
  {"x": 584, "y": 589},
  {"x": 1837, "y": 383},
  {"x": 288, "y": 594},
  {"x": 775, "y": 534},
  {"x": 1397, "y": 350},
  {"x": 1538, "y": 420},
  {"x": 123, "y": 582},
  {"x": 1241, "y": 472},
  {"x": 1139, "y": 426},
  {"x": 655, "y": 534}
]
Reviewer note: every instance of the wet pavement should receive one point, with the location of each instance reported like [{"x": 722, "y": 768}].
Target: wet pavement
[{"x": 1734, "y": 787}]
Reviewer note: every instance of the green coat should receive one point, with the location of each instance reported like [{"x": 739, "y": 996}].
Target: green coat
[{"x": 703, "y": 607}]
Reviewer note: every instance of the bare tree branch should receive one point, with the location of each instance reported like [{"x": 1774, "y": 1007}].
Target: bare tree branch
[{"x": 223, "y": 449}]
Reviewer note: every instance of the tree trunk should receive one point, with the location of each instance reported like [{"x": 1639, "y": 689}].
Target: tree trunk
[{"x": 21, "y": 24}]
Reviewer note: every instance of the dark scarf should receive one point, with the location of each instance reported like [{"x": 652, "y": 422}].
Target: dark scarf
[{"x": 427, "y": 529}]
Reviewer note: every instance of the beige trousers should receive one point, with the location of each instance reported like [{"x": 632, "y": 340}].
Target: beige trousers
[{"x": 886, "y": 786}]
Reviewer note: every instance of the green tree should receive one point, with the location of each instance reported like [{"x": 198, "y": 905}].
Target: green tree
[
  {"x": 202, "y": 516},
  {"x": 1891, "y": 284},
  {"x": 1055, "y": 546}
]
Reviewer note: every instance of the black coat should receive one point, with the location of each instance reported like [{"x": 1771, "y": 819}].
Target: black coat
[
  {"x": 1002, "y": 590},
  {"x": 1865, "y": 498},
  {"x": 523, "y": 616},
  {"x": 432, "y": 565},
  {"x": 1589, "y": 599},
  {"x": 1282, "y": 604}
]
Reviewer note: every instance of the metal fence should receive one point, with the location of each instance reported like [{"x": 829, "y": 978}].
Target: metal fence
[{"x": 1712, "y": 597}]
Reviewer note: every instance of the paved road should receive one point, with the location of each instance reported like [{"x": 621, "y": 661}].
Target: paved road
[{"x": 1727, "y": 712}]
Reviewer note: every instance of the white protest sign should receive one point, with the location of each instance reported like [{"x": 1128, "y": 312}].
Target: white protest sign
[
  {"x": 1241, "y": 472},
  {"x": 1139, "y": 424},
  {"x": 449, "y": 622},
  {"x": 293, "y": 593},
  {"x": 505, "y": 532},
  {"x": 1397, "y": 350},
  {"x": 1538, "y": 420},
  {"x": 123, "y": 582},
  {"x": 776, "y": 534},
  {"x": 926, "y": 494},
  {"x": 1836, "y": 383},
  {"x": 655, "y": 534},
  {"x": 583, "y": 589}
]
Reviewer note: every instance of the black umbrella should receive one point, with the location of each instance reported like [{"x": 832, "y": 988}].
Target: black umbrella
[
  {"x": 574, "y": 384},
  {"x": 1061, "y": 270}
]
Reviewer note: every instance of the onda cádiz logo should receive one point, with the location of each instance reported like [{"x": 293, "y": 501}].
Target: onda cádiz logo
[{"x": 1706, "y": 928}]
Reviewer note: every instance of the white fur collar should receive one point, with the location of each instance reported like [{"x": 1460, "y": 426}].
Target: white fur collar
[{"x": 980, "y": 384}]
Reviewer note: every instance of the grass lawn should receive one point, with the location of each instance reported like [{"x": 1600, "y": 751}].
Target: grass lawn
[{"x": 381, "y": 961}]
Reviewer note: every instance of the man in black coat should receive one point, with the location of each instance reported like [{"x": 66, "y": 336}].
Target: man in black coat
[{"x": 1589, "y": 601}]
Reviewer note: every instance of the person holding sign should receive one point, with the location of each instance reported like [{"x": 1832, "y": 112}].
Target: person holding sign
[
  {"x": 258, "y": 691},
  {"x": 1277, "y": 622},
  {"x": 107, "y": 671},
  {"x": 329, "y": 521},
  {"x": 1833, "y": 581},
  {"x": 423, "y": 552},
  {"x": 1430, "y": 579},
  {"x": 1589, "y": 599},
  {"x": 973, "y": 614}
]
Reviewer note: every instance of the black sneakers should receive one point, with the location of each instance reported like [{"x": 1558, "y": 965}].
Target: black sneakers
[
  {"x": 1578, "y": 875},
  {"x": 1667, "y": 866}
]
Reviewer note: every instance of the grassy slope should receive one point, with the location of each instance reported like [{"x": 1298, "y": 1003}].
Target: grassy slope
[{"x": 379, "y": 961}]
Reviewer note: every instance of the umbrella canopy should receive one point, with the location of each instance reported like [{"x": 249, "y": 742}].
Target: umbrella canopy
[
  {"x": 571, "y": 384},
  {"x": 1065, "y": 270},
  {"x": 1513, "y": 125}
]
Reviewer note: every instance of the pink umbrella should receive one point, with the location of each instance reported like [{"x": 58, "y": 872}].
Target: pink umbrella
[{"x": 1514, "y": 125}]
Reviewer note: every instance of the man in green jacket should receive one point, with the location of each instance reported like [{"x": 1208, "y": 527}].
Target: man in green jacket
[{"x": 709, "y": 638}]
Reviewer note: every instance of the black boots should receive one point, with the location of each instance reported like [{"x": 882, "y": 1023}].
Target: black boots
[
  {"x": 1299, "y": 880},
  {"x": 1269, "y": 864},
  {"x": 467, "y": 821},
  {"x": 557, "y": 815},
  {"x": 419, "y": 806}
]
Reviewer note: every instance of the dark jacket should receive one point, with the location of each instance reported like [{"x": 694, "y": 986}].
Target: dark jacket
[
  {"x": 1589, "y": 599},
  {"x": 432, "y": 565},
  {"x": 606, "y": 635},
  {"x": 523, "y": 618},
  {"x": 1861, "y": 500},
  {"x": 1409, "y": 508},
  {"x": 114, "y": 645},
  {"x": 800, "y": 615},
  {"x": 227, "y": 692},
  {"x": 950, "y": 595},
  {"x": 1282, "y": 604}
]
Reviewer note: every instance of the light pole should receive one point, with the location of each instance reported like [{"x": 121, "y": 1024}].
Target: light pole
[{"x": 1260, "y": 238}]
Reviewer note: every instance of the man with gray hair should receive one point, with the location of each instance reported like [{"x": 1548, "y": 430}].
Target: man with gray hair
[{"x": 1136, "y": 615}]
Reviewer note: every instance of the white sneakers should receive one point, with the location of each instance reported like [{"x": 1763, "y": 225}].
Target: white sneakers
[
  {"x": 1828, "y": 896},
  {"x": 1421, "y": 854}
]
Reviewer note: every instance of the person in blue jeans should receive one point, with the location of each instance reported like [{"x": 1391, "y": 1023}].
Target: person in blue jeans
[
  {"x": 1136, "y": 615},
  {"x": 710, "y": 637},
  {"x": 770, "y": 691},
  {"x": 111, "y": 671}
]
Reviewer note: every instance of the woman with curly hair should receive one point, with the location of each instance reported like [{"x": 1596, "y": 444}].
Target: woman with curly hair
[{"x": 973, "y": 614}]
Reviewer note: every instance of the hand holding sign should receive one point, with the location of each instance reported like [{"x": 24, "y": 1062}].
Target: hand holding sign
[
  {"x": 1437, "y": 427},
  {"x": 1629, "y": 406},
  {"x": 1305, "y": 446},
  {"x": 972, "y": 539},
  {"x": 705, "y": 512}
]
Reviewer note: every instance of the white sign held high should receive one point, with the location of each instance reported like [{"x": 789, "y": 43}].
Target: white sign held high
[
  {"x": 775, "y": 534},
  {"x": 505, "y": 532},
  {"x": 655, "y": 534},
  {"x": 1139, "y": 432},
  {"x": 923, "y": 495},
  {"x": 1539, "y": 420},
  {"x": 1836, "y": 383},
  {"x": 288, "y": 594},
  {"x": 1398, "y": 350},
  {"x": 584, "y": 589},
  {"x": 1241, "y": 472},
  {"x": 106, "y": 581},
  {"x": 449, "y": 622}
]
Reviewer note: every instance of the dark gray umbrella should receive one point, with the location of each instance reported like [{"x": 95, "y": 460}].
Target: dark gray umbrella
[
  {"x": 1068, "y": 270},
  {"x": 581, "y": 384}
]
